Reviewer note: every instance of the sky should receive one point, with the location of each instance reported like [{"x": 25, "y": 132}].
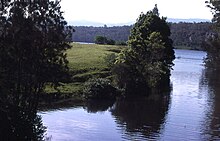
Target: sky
[{"x": 124, "y": 11}]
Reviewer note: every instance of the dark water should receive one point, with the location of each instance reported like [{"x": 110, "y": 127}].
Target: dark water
[{"x": 190, "y": 112}]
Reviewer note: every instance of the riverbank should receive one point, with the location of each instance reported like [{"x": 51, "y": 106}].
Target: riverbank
[
  {"x": 189, "y": 48},
  {"x": 188, "y": 113},
  {"x": 86, "y": 61}
]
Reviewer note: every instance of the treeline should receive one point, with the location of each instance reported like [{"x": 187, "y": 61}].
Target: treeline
[
  {"x": 190, "y": 35},
  {"x": 88, "y": 34},
  {"x": 183, "y": 34}
]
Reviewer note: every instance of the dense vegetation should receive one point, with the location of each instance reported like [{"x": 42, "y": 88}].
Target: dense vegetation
[
  {"x": 212, "y": 46},
  {"x": 145, "y": 65},
  {"x": 86, "y": 62},
  {"x": 189, "y": 35},
  {"x": 88, "y": 34},
  {"x": 32, "y": 54},
  {"x": 104, "y": 40}
]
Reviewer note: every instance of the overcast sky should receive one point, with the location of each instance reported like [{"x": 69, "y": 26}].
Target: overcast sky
[{"x": 124, "y": 11}]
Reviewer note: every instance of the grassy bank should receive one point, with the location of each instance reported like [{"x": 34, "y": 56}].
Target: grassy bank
[
  {"x": 188, "y": 48},
  {"x": 85, "y": 61}
]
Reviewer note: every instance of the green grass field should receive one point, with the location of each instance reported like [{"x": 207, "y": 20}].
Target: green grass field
[{"x": 85, "y": 61}]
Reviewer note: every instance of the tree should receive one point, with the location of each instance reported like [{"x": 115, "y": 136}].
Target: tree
[
  {"x": 213, "y": 39},
  {"x": 32, "y": 50},
  {"x": 100, "y": 40},
  {"x": 104, "y": 40},
  {"x": 155, "y": 10},
  {"x": 147, "y": 63}
]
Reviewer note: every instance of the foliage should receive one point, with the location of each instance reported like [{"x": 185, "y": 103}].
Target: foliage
[
  {"x": 104, "y": 40},
  {"x": 88, "y": 34},
  {"x": 110, "y": 59},
  {"x": 148, "y": 61},
  {"x": 99, "y": 88},
  {"x": 94, "y": 65},
  {"x": 32, "y": 50},
  {"x": 100, "y": 40},
  {"x": 110, "y": 42},
  {"x": 19, "y": 124},
  {"x": 191, "y": 35},
  {"x": 213, "y": 40},
  {"x": 121, "y": 43}
]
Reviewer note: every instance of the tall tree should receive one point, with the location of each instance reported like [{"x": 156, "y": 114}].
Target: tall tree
[
  {"x": 213, "y": 39},
  {"x": 155, "y": 11},
  {"x": 33, "y": 37},
  {"x": 149, "y": 59}
]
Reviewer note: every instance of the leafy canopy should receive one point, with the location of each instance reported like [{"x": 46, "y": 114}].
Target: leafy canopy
[
  {"x": 149, "y": 59},
  {"x": 213, "y": 40},
  {"x": 32, "y": 49}
]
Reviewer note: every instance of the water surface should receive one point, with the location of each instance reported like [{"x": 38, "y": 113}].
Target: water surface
[{"x": 191, "y": 111}]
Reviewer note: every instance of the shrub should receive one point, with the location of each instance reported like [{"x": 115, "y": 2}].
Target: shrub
[
  {"x": 110, "y": 59},
  {"x": 121, "y": 43},
  {"x": 104, "y": 40},
  {"x": 99, "y": 88}
]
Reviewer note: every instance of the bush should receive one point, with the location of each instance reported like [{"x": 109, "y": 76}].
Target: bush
[
  {"x": 104, "y": 40},
  {"x": 121, "y": 43},
  {"x": 100, "y": 40},
  {"x": 110, "y": 42},
  {"x": 99, "y": 88},
  {"x": 110, "y": 59}
]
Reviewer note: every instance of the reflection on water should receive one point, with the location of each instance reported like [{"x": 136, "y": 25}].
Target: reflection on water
[
  {"x": 105, "y": 120},
  {"x": 141, "y": 118},
  {"x": 190, "y": 112},
  {"x": 211, "y": 80},
  {"x": 93, "y": 106},
  {"x": 188, "y": 101},
  {"x": 16, "y": 124}
]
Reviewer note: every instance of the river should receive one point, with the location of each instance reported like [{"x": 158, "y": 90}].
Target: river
[{"x": 191, "y": 111}]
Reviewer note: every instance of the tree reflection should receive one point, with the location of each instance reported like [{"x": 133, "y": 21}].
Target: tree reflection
[
  {"x": 18, "y": 124},
  {"x": 94, "y": 106},
  {"x": 211, "y": 80},
  {"x": 141, "y": 116}
]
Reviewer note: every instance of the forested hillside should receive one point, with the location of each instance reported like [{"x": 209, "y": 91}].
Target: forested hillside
[
  {"x": 183, "y": 34},
  {"x": 88, "y": 34},
  {"x": 191, "y": 35}
]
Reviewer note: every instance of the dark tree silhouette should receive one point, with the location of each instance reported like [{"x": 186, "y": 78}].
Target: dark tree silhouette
[
  {"x": 32, "y": 50},
  {"x": 148, "y": 61},
  {"x": 213, "y": 40}
]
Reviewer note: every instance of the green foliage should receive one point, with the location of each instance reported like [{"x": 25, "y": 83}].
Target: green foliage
[
  {"x": 99, "y": 88},
  {"x": 104, "y": 40},
  {"x": 88, "y": 33},
  {"x": 110, "y": 42},
  {"x": 100, "y": 40},
  {"x": 32, "y": 50},
  {"x": 148, "y": 61},
  {"x": 96, "y": 64},
  {"x": 19, "y": 124},
  {"x": 121, "y": 43},
  {"x": 191, "y": 35},
  {"x": 110, "y": 59},
  {"x": 213, "y": 39}
]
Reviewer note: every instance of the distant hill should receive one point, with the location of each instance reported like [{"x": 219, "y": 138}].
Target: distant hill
[
  {"x": 184, "y": 34},
  {"x": 187, "y": 20},
  {"x": 99, "y": 24},
  {"x": 96, "y": 24}
]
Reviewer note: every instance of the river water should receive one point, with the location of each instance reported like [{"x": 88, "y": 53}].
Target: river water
[{"x": 191, "y": 111}]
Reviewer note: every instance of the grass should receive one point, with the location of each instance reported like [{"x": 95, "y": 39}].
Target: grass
[
  {"x": 85, "y": 61},
  {"x": 89, "y": 57},
  {"x": 188, "y": 48}
]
